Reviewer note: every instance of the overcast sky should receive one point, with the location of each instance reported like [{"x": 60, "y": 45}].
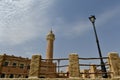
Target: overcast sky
[{"x": 24, "y": 25}]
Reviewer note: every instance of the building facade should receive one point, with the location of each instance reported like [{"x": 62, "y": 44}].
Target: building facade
[
  {"x": 14, "y": 67},
  {"x": 18, "y": 67}
]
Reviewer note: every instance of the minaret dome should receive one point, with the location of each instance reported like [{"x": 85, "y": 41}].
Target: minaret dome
[{"x": 50, "y": 36}]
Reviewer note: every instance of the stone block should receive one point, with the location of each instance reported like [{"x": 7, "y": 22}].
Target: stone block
[
  {"x": 74, "y": 70},
  {"x": 35, "y": 66},
  {"x": 114, "y": 62},
  {"x": 93, "y": 70}
]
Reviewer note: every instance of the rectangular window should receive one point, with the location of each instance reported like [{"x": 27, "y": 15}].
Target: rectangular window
[
  {"x": 11, "y": 76},
  {"x": 5, "y": 63},
  {"x": 14, "y": 64},
  {"x": 21, "y": 65},
  {"x": 2, "y": 75}
]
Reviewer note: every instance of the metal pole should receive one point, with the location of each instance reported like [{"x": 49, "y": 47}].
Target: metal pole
[
  {"x": 103, "y": 68},
  {"x": 58, "y": 65}
]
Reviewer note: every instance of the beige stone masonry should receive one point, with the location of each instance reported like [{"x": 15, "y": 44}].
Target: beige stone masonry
[
  {"x": 57, "y": 79},
  {"x": 84, "y": 75},
  {"x": 1, "y": 61},
  {"x": 35, "y": 66},
  {"x": 74, "y": 70},
  {"x": 93, "y": 70},
  {"x": 114, "y": 62}
]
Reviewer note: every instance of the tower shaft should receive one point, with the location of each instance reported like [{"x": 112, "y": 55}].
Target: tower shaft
[
  {"x": 50, "y": 46},
  {"x": 49, "y": 54}
]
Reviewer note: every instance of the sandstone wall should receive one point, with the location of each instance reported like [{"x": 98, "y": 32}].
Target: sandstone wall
[
  {"x": 74, "y": 70},
  {"x": 35, "y": 66},
  {"x": 114, "y": 61},
  {"x": 93, "y": 69},
  {"x": 1, "y": 62},
  {"x": 56, "y": 79}
]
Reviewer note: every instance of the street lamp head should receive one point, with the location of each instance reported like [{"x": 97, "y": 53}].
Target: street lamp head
[{"x": 92, "y": 18}]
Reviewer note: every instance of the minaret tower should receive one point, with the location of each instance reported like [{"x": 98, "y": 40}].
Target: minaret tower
[{"x": 50, "y": 44}]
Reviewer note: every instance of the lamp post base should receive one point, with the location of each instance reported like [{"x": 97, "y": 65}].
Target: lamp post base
[{"x": 104, "y": 75}]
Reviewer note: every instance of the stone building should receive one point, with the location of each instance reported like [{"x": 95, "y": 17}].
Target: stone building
[{"x": 14, "y": 67}]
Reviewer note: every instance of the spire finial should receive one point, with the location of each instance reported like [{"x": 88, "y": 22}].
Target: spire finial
[
  {"x": 51, "y": 35},
  {"x": 51, "y": 31}
]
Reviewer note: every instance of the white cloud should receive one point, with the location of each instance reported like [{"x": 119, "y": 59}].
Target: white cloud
[
  {"x": 18, "y": 20},
  {"x": 22, "y": 20}
]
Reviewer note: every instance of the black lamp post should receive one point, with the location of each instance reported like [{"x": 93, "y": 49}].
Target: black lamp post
[{"x": 103, "y": 69}]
